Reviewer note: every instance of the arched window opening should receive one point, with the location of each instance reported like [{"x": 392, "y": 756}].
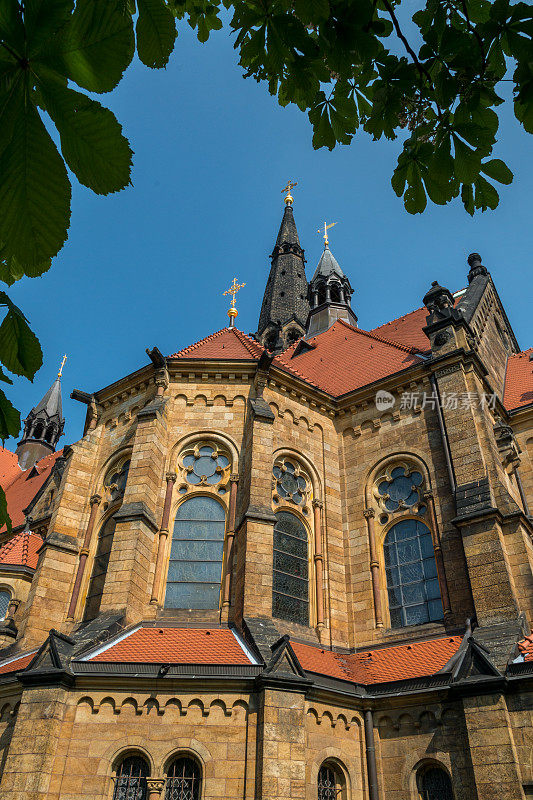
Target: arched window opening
[
  {"x": 130, "y": 781},
  {"x": 195, "y": 566},
  {"x": 99, "y": 572},
  {"x": 321, "y": 294},
  {"x": 335, "y": 293},
  {"x": 49, "y": 435},
  {"x": 115, "y": 481},
  {"x": 331, "y": 783},
  {"x": 38, "y": 431},
  {"x": 290, "y": 585},
  {"x": 5, "y": 599},
  {"x": 184, "y": 780},
  {"x": 434, "y": 784},
  {"x": 412, "y": 583}
]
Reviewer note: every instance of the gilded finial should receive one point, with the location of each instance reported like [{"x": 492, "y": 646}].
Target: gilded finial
[
  {"x": 61, "y": 367},
  {"x": 232, "y": 311},
  {"x": 288, "y": 197},
  {"x": 325, "y": 234}
]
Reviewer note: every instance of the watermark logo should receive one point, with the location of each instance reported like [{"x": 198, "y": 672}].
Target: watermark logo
[{"x": 384, "y": 400}]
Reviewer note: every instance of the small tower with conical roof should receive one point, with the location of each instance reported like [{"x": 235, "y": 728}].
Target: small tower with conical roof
[
  {"x": 329, "y": 294},
  {"x": 285, "y": 306},
  {"x": 42, "y": 427}
]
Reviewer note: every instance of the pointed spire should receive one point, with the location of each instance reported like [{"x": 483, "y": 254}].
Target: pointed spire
[
  {"x": 43, "y": 426},
  {"x": 285, "y": 306},
  {"x": 329, "y": 293}
]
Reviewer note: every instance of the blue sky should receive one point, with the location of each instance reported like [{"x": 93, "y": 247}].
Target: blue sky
[{"x": 148, "y": 266}]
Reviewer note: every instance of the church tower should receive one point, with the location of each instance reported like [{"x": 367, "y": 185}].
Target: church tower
[
  {"x": 285, "y": 307},
  {"x": 42, "y": 427},
  {"x": 329, "y": 293}
]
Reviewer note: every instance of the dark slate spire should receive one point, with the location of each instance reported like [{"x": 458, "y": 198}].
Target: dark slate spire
[
  {"x": 329, "y": 294},
  {"x": 285, "y": 306},
  {"x": 42, "y": 427}
]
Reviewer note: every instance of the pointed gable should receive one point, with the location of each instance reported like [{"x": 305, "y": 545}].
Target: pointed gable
[
  {"x": 345, "y": 358},
  {"x": 27, "y": 483},
  {"x": 228, "y": 344}
]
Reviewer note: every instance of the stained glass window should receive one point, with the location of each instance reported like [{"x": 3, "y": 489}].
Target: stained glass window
[
  {"x": 130, "y": 782},
  {"x": 329, "y": 783},
  {"x": 205, "y": 466},
  {"x": 290, "y": 483},
  {"x": 435, "y": 784},
  {"x": 290, "y": 587},
  {"x": 5, "y": 599},
  {"x": 402, "y": 490},
  {"x": 195, "y": 566},
  {"x": 184, "y": 780},
  {"x": 412, "y": 583},
  {"x": 99, "y": 572}
]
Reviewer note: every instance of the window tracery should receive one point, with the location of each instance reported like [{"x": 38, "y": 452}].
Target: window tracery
[
  {"x": 115, "y": 481},
  {"x": 204, "y": 464},
  {"x": 400, "y": 488},
  {"x": 291, "y": 484}
]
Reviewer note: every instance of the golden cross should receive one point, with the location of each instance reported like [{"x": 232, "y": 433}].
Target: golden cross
[
  {"x": 326, "y": 228},
  {"x": 233, "y": 289},
  {"x": 61, "y": 367},
  {"x": 288, "y": 197}
]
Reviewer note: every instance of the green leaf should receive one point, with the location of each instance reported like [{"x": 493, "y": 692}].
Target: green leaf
[
  {"x": 11, "y": 270},
  {"x": 11, "y": 26},
  {"x": 5, "y": 519},
  {"x": 497, "y": 170},
  {"x": 414, "y": 199},
  {"x": 311, "y": 11},
  {"x": 91, "y": 139},
  {"x": 96, "y": 46},
  {"x": 34, "y": 193},
  {"x": 467, "y": 196},
  {"x": 20, "y": 351},
  {"x": 467, "y": 161},
  {"x": 486, "y": 195},
  {"x": 156, "y": 33},
  {"x": 43, "y": 18},
  {"x": 9, "y": 418}
]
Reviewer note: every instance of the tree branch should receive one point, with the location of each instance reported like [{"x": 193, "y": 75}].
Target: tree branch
[{"x": 475, "y": 32}]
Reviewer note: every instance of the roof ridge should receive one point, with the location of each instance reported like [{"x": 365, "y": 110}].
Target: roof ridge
[
  {"x": 521, "y": 353},
  {"x": 247, "y": 341},
  {"x": 383, "y": 339},
  {"x": 382, "y": 325},
  {"x": 209, "y": 338}
]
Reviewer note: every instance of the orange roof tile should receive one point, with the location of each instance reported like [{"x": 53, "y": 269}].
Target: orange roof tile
[
  {"x": 525, "y": 647},
  {"x": 345, "y": 358},
  {"x": 396, "y": 663},
  {"x": 228, "y": 344},
  {"x": 518, "y": 390},
  {"x": 406, "y": 330},
  {"x": 9, "y": 467},
  {"x": 22, "y": 489},
  {"x": 16, "y": 664},
  {"x": 176, "y": 646},
  {"x": 21, "y": 550}
]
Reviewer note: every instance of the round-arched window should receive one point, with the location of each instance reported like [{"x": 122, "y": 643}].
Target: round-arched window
[
  {"x": 130, "y": 780},
  {"x": 435, "y": 784},
  {"x": 290, "y": 584},
  {"x": 195, "y": 566},
  {"x": 184, "y": 780},
  {"x": 5, "y": 599},
  {"x": 412, "y": 583},
  {"x": 331, "y": 783}
]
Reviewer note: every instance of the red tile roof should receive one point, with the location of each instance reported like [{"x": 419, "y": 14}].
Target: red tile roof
[
  {"x": 16, "y": 664},
  {"x": 525, "y": 647},
  {"x": 20, "y": 488},
  {"x": 21, "y": 550},
  {"x": 227, "y": 344},
  {"x": 518, "y": 390},
  {"x": 396, "y": 663},
  {"x": 406, "y": 330},
  {"x": 176, "y": 646},
  {"x": 9, "y": 467},
  {"x": 345, "y": 358}
]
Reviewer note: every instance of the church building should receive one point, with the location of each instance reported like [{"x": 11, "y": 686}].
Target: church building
[{"x": 290, "y": 564}]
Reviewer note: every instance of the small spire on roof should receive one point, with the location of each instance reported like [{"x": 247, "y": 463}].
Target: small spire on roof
[
  {"x": 326, "y": 228},
  {"x": 62, "y": 365},
  {"x": 288, "y": 197},
  {"x": 232, "y": 311}
]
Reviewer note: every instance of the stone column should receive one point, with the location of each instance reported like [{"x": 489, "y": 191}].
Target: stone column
[
  {"x": 84, "y": 554},
  {"x": 163, "y": 536},
  {"x": 441, "y": 572},
  {"x": 374, "y": 566},
  {"x": 319, "y": 565},
  {"x": 155, "y": 787},
  {"x": 228, "y": 567}
]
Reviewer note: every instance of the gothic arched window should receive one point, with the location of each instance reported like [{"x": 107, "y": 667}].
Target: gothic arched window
[
  {"x": 290, "y": 585},
  {"x": 195, "y": 566},
  {"x": 184, "y": 780},
  {"x": 412, "y": 583},
  {"x": 435, "y": 784},
  {"x": 331, "y": 783},
  {"x": 130, "y": 780},
  {"x": 5, "y": 599},
  {"x": 99, "y": 571}
]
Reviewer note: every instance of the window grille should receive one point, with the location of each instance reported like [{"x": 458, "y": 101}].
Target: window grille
[
  {"x": 328, "y": 785},
  {"x": 184, "y": 780},
  {"x": 130, "y": 781},
  {"x": 5, "y": 599},
  {"x": 436, "y": 785}
]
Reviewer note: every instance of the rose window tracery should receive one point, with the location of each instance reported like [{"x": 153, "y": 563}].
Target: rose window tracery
[
  {"x": 401, "y": 489},
  {"x": 291, "y": 484},
  {"x": 205, "y": 464}
]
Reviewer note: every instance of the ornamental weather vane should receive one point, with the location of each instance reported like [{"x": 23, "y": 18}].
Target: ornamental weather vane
[
  {"x": 61, "y": 367},
  {"x": 232, "y": 311},
  {"x": 325, "y": 234},
  {"x": 288, "y": 197}
]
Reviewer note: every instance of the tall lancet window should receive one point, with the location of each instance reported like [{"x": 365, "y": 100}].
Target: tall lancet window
[
  {"x": 195, "y": 565},
  {"x": 290, "y": 584}
]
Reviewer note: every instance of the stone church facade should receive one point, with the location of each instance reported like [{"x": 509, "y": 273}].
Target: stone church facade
[{"x": 296, "y": 564}]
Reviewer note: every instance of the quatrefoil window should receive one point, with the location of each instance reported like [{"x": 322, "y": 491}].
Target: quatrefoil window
[
  {"x": 290, "y": 483},
  {"x": 206, "y": 466},
  {"x": 401, "y": 489}
]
